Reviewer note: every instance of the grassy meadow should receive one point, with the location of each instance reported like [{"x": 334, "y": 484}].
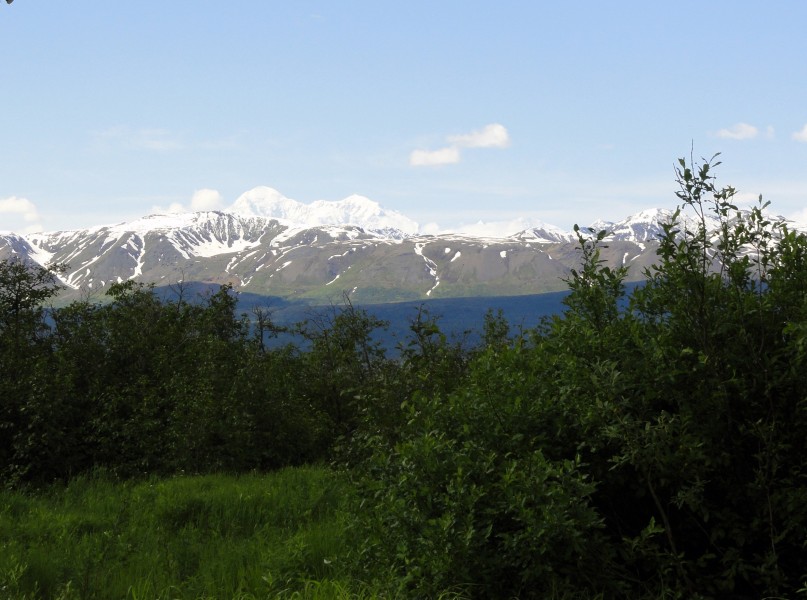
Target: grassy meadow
[{"x": 280, "y": 535}]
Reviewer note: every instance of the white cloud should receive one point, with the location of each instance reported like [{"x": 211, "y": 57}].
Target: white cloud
[
  {"x": 430, "y": 228},
  {"x": 493, "y": 228},
  {"x": 740, "y": 131},
  {"x": 202, "y": 200},
  {"x": 491, "y": 136},
  {"x": 502, "y": 227},
  {"x": 432, "y": 158},
  {"x": 206, "y": 199},
  {"x": 801, "y": 135},
  {"x": 21, "y": 214}
]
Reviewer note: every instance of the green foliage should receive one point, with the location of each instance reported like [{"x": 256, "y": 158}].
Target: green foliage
[
  {"x": 476, "y": 490},
  {"x": 596, "y": 288},
  {"x": 24, "y": 395},
  {"x": 644, "y": 443},
  {"x": 342, "y": 364},
  {"x": 23, "y": 290},
  {"x": 709, "y": 434},
  {"x": 144, "y": 385},
  {"x": 429, "y": 364},
  {"x": 639, "y": 446}
]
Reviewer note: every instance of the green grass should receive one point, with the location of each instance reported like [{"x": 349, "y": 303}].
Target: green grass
[{"x": 258, "y": 536}]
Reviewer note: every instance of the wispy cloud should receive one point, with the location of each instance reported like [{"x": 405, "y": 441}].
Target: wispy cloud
[
  {"x": 801, "y": 135},
  {"x": 202, "y": 200},
  {"x": 497, "y": 228},
  {"x": 490, "y": 228},
  {"x": 490, "y": 136},
  {"x": 432, "y": 158},
  {"x": 159, "y": 140},
  {"x": 740, "y": 131},
  {"x": 22, "y": 214}
]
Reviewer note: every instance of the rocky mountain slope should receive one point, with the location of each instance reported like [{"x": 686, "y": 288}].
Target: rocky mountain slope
[{"x": 267, "y": 244}]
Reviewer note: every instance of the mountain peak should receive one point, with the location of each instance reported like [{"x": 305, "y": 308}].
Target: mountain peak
[
  {"x": 264, "y": 201},
  {"x": 354, "y": 210}
]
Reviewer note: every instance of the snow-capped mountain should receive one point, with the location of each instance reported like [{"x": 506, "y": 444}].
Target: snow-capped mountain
[
  {"x": 546, "y": 234},
  {"x": 647, "y": 225},
  {"x": 641, "y": 227},
  {"x": 268, "y": 244},
  {"x": 150, "y": 245},
  {"x": 353, "y": 210}
]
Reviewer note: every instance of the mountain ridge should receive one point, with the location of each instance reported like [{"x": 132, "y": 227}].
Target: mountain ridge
[{"x": 292, "y": 252}]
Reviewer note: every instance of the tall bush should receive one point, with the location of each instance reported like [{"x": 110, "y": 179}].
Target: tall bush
[{"x": 642, "y": 444}]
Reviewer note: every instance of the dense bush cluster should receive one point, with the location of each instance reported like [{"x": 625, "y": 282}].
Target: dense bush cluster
[
  {"x": 645, "y": 443},
  {"x": 145, "y": 385},
  {"x": 642, "y": 444}
]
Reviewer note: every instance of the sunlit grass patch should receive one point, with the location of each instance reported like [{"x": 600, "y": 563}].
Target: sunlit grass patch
[{"x": 252, "y": 536}]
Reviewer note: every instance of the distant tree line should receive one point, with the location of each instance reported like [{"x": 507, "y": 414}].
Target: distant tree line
[{"x": 648, "y": 442}]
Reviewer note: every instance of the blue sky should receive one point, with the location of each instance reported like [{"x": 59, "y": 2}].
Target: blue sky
[{"x": 449, "y": 112}]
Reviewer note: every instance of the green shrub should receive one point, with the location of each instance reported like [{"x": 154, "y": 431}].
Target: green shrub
[{"x": 647, "y": 445}]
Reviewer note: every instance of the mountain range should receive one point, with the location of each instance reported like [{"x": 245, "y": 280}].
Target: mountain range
[{"x": 270, "y": 245}]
